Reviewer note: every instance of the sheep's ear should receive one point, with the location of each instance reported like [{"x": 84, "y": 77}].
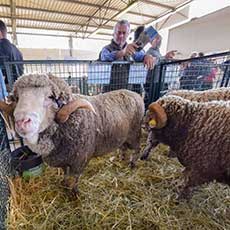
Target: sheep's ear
[
  {"x": 7, "y": 108},
  {"x": 11, "y": 98},
  {"x": 157, "y": 117},
  {"x": 64, "y": 113}
]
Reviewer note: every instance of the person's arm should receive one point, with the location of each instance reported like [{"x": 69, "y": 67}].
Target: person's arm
[
  {"x": 3, "y": 90},
  {"x": 148, "y": 60},
  {"x": 106, "y": 55},
  {"x": 139, "y": 56},
  {"x": 156, "y": 54}
]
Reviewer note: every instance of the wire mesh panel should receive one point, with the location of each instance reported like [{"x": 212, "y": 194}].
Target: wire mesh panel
[
  {"x": 90, "y": 78},
  {"x": 4, "y": 160},
  {"x": 196, "y": 74},
  {"x": 4, "y": 173}
]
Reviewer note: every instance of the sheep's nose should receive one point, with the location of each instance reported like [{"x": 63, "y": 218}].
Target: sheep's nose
[{"x": 23, "y": 123}]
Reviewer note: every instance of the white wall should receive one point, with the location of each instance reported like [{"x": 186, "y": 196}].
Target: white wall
[
  {"x": 208, "y": 34},
  {"x": 45, "y": 47},
  {"x": 57, "y": 54}
]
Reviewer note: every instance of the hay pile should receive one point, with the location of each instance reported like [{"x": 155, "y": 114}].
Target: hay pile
[{"x": 112, "y": 196}]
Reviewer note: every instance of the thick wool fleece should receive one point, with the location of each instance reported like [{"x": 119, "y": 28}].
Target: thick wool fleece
[
  {"x": 116, "y": 123},
  {"x": 203, "y": 96},
  {"x": 199, "y": 136},
  {"x": 59, "y": 87}
]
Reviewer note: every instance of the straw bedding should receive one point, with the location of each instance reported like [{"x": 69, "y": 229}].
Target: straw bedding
[{"x": 112, "y": 196}]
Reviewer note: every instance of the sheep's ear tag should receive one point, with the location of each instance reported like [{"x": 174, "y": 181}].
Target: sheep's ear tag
[{"x": 152, "y": 123}]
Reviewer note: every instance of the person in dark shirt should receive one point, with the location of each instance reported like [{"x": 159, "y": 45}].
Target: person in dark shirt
[
  {"x": 120, "y": 50},
  {"x": 9, "y": 52},
  {"x": 199, "y": 74}
]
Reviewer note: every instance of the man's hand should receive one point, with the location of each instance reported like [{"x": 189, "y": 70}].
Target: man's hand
[
  {"x": 149, "y": 61},
  {"x": 130, "y": 49},
  {"x": 170, "y": 54}
]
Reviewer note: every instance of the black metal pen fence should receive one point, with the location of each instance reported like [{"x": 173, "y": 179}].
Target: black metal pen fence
[
  {"x": 86, "y": 77},
  {"x": 201, "y": 73},
  {"x": 92, "y": 77}
]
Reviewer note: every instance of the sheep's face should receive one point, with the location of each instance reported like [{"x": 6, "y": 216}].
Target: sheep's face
[{"x": 34, "y": 111}]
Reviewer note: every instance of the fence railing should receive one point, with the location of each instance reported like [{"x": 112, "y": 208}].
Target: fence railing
[
  {"x": 92, "y": 77},
  {"x": 201, "y": 73},
  {"x": 86, "y": 75}
]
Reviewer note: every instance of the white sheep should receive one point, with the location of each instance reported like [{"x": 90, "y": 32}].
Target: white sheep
[{"x": 84, "y": 127}]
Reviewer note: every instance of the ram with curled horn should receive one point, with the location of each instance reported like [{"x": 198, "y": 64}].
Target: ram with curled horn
[
  {"x": 68, "y": 130},
  {"x": 197, "y": 134}
]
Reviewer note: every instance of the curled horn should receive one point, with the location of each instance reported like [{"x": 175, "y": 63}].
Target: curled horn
[
  {"x": 64, "y": 113},
  {"x": 159, "y": 112}
]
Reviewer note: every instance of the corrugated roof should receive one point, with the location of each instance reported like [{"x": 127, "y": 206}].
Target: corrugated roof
[{"x": 82, "y": 18}]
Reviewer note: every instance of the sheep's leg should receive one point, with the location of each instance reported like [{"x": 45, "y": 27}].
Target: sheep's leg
[
  {"x": 185, "y": 193},
  {"x": 135, "y": 156},
  {"x": 224, "y": 178},
  {"x": 151, "y": 142},
  {"x": 69, "y": 181},
  {"x": 171, "y": 154},
  {"x": 185, "y": 190},
  {"x": 66, "y": 180},
  {"x": 135, "y": 144},
  {"x": 122, "y": 151},
  {"x": 75, "y": 190},
  {"x": 227, "y": 179},
  {"x": 77, "y": 170},
  {"x": 193, "y": 178}
]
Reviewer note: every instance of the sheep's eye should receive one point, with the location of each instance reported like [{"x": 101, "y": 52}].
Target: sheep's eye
[{"x": 48, "y": 101}]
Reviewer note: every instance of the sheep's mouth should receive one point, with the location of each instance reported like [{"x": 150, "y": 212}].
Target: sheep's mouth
[{"x": 28, "y": 128}]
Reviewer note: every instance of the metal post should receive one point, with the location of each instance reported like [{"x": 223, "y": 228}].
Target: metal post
[
  {"x": 71, "y": 46},
  {"x": 85, "y": 86},
  {"x": 226, "y": 76},
  {"x": 156, "y": 83},
  {"x": 13, "y": 21}
]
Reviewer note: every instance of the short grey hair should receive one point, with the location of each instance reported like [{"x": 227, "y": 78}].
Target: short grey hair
[{"x": 122, "y": 22}]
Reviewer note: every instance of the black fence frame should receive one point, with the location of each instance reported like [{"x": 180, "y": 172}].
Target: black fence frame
[{"x": 159, "y": 77}]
